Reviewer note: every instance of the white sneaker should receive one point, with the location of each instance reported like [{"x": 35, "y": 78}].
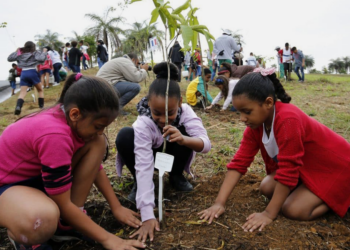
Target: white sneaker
[{"x": 55, "y": 84}]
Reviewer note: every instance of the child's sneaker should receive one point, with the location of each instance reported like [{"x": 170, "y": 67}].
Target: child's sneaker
[
  {"x": 18, "y": 246},
  {"x": 55, "y": 84}
]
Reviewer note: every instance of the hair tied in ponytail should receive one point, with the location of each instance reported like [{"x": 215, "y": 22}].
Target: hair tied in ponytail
[
  {"x": 78, "y": 76},
  {"x": 265, "y": 72}
]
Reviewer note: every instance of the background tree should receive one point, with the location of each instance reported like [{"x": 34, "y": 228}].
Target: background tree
[
  {"x": 346, "y": 61},
  {"x": 3, "y": 25},
  {"x": 336, "y": 65},
  {"x": 49, "y": 39},
  {"x": 105, "y": 29},
  {"x": 325, "y": 70},
  {"x": 137, "y": 38},
  {"x": 309, "y": 62}
]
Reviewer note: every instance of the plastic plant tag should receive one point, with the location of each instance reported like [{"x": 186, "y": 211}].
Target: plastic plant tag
[{"x": 164, "y": 163}]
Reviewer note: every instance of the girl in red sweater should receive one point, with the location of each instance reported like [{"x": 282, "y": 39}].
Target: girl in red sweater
[{"x": 307, "y": 164}]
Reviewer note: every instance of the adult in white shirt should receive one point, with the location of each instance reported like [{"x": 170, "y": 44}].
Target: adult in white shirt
[
  {"x": 287, "y": 58},
  {"x": 84, "y": 49},
  {"x": 251, "y": 60},
  {"x": 65, "y": 57},
  {"x": 56, "y": 63},
  {"x": 224, "y": 46},
  {"x": 226, "y": 87}
]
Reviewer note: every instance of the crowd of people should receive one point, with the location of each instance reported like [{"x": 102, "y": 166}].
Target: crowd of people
[{"x": 50, "y": 159}]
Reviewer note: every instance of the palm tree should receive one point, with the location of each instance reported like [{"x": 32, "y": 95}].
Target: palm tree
[
  {"x": 105, "y": 28},
  {"x": 309, "y": 62},
  {"x": 49, "y": 39},
  {"x": 137, "y": 40},
  {"x": 338, "y": 65}
]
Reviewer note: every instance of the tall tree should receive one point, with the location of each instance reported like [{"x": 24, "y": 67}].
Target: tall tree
[
  {"x": 49, "y": 39},
  {"x": 138, "y": 38},
  {"x": 105, "y": 28},
  {"x": 309, "y": 61},
  {"x": 346, "y": 61}
]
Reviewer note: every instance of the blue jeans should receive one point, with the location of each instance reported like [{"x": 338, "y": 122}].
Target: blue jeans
[
  {"x": 75, "y": 68},
  {"x": 100, "y": 63},
  {"x": 13, "y": 84},
  {"x": 213, "y": 73},
  {"x": 84, "y": 63},
  {"x": 56, "y": 71},
  {"x": 199, "y": 70},
  {"x": 296, "y": 70},
  {"x": 126, "y": 91}
]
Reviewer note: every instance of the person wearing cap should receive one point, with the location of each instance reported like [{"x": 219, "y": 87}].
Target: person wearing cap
[
  {"x": 102, "y": 55},
  {"x": 279, "y": 62},
  {"x": 224, "y": 45}
]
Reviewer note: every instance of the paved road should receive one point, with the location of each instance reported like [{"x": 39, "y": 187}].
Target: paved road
[{"x": 5, "y": 93}]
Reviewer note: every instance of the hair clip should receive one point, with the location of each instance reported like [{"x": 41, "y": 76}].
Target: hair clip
[
  {"x": 219, "y": 80},
  {"x": 265, "y": 72},
  {"x": 78, "y": 76}
]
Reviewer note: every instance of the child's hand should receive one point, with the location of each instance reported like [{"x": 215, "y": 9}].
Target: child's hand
[
  {"x": 222, "y": 110},
  {"x": 257, "y": 220},
  {"x": 115, "y": 243},
  {"x": 174, "y": 134},
  {"x": 127, "y": 216},
  {"x": 146, "y": 230},
  {"x": 209, "y": 107},
  {"x": 213, "y": 212}
]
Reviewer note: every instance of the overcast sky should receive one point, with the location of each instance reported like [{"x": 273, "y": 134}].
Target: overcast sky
[{"x": 318, "y": 28}]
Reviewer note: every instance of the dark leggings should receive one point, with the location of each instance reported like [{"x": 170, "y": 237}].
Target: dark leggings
[
  {"x": 125, "y": 147},
  {"x": 56, "y": 72}
]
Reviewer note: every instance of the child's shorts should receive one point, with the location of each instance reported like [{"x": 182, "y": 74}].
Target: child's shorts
[
  {"x": 45, "y": 71},
  {"x": 29, "y": 78},
  {"x": 13, "y": 84},
  {"x": 34, "y": 182}
]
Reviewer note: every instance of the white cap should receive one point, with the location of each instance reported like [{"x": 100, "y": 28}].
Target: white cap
[
  {"x": 277, "y": 47},
  {"x": 228, "y": 32}
]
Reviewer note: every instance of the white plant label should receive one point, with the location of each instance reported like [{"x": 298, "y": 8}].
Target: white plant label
[{"x": 164, "y": 163}]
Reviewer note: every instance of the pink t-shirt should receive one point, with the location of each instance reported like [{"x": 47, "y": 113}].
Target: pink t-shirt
[{"x": 40, "y": 145}]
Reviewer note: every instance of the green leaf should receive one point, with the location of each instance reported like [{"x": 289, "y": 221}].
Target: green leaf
[
  {"x": 187, "y": 34},
  {"x": 155, "y": 15},
  {"x": 192, "y": 12},
  {"x": 178, "y": 18},
  {"x": 133, "y": 1},
  {"x": 183, "y": 7},
  {"x": 195, "y": 33},
  {"x": 162, "y": 16}
]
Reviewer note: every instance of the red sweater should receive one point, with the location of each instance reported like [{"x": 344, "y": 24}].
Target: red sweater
[
  {"x": 308, "y": 151},
  {"x": 47, "y": 64}
]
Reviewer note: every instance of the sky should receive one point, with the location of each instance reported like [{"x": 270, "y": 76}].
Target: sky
[{"x": 318, "y": 28}]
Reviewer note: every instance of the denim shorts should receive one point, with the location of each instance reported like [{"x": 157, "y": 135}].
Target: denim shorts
[
  {"x": 34, "y": 182},
  {"x": 29, "y": 78},
  {"x": 45, "y": 71}
]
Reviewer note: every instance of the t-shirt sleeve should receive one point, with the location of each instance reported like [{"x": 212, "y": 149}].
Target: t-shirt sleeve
[
  {"x": 245, "y": 155},
  {"x": 289, "y": 136},
  {"x": 55, "y": 152}
]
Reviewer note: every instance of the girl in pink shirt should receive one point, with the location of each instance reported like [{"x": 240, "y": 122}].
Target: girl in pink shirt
[{"x": 49, "y": 161}]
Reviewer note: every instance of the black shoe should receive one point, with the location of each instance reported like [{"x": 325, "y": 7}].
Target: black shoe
[
  {"x": 132, "y": 195},
  {"x": 18, "y": 110},
  {"x": 19, "y": 106},
  {"x": 180, "y": 183}
]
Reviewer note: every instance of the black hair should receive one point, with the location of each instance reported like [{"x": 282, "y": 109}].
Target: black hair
[
  {"x": 29, "y": 47},
  {"x": 158, "y": 86},
  {"x": 287, "y": 44},
  {"x": 224, "y": 81},
  {"x": 294, "y": 49},
  {"x": 258, "y": 87},
  {"x": 81, "y": 41},
  {"x": 67, "y": 44},
  {"x": 226, "y": 66},
  {"x": 48, "y": 48},
  {"x": 74, "y": 44},
  {"x": 89, "y": 94},
  {"x": 100, "y": 42},
  {"x": 13, "y": 64},
  {"x": 132, "y": 56},
  {"x": 207, "y": 71}
]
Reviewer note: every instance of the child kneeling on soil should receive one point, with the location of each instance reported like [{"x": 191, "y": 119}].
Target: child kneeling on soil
[
  {"x": 49, "y": 161},
  {"x": 196, "y": 88},
  {"x": 307, "y": 164},
  {"x": 138, "y": 145},
  {"x": 226, "y": 87}
]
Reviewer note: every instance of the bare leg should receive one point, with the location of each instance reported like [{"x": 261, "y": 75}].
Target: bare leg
[
  {"x": 28, "y": 214},
  {"x": 23, "y": 92},
  {"x": 47, "y": 79},
  {"x": 267, "y": 186},
  {"x": 304, "y": 205},
  {"x": 42, "y": 79},
  {"x": 39, "y": 88},
  {"x": 86, "y": 163}
]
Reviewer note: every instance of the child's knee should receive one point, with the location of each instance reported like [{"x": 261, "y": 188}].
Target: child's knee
[
  {"x": 292, "y": 211},
  {"x": 124, "y": 138},
  {"x": 267, "y": 186},
  {"x": 40, "y": 225}
]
